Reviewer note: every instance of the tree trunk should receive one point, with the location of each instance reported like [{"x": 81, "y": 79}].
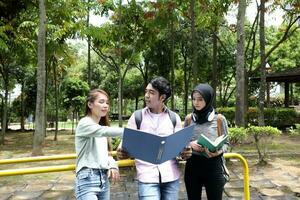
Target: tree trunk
[
  {"x": 286, "y": 94},
  {"x": 4, "y": 114},
  {"x": 186, "y": 80},
  {"x": 246, "y": 89},
  {"x": 240, "y": 67},
  {"x": 120, "y": 103},
  {"x": 40, "y": 128},
  {"x": 260, "y": 156},
  {"x": 194, "y": 43},
  {"x": 136, "y": 102},
  {"x": 172, "y": 62},
  {"x": 292, "y": 94},
  {"x": 89, "y": 46},
  {"x": 261, "y": 118},
  {"x": 56, "y": 102},
  {"x": 215, "y": 63},
  {"x": 22, "y": 107}
]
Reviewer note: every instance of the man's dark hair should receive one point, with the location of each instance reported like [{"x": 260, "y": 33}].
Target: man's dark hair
[{"x": 162, "y": 85}]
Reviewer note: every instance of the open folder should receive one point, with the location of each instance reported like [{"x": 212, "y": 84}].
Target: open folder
[{"x": 153, "y": 148}]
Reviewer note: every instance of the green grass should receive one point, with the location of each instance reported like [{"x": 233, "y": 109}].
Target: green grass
[
  {"x": 19, "y": 144},
  {"x": 280, "y": 144},
  {"x": 67, "y": 125}
]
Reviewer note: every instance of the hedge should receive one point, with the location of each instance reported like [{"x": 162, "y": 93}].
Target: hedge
[{"x": 276, "y": 117}]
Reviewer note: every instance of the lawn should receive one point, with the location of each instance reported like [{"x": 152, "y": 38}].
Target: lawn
[{"x": 19, "y": 144}]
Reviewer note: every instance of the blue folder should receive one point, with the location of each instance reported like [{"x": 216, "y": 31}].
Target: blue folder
[{"x": 153, "y": 148}]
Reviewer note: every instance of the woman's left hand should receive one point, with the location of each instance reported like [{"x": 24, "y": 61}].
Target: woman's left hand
[
  {"x": 114, "y": 175},
  {"x": 213, "y": 154}
]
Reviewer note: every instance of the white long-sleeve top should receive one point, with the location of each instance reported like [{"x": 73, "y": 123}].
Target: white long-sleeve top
[{"x": 91, "y": 144}]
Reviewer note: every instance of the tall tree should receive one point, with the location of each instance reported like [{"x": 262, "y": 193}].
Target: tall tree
[
  {"x": 193, "y": 42},
  {"x": 240, "y": 67},
  {"x": 75, "y": 92},
  {"x": 120, "y": 43},
  {"x": 172, "y": 30},
  {"x": 262, "y": 41},
  {"x": 9, "y": 52},
  {"x": 89, "y": 44},
  {"x": 40, "y": 126}
]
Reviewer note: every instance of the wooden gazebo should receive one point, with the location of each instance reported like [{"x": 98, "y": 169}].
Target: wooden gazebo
[{"x": 286, "y": 77}]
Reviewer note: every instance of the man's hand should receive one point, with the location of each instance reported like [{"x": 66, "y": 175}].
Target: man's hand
[
  {"x": 122, "y": 154},
  {"x": 186, "y": 153},
  {"x": 114, "y": 175}
]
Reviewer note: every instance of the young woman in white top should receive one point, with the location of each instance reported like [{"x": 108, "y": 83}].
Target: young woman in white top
[{"x": 94, "y": 165}]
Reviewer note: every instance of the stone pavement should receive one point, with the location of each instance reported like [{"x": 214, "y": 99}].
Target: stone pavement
[{"x": 269, "y": 183}]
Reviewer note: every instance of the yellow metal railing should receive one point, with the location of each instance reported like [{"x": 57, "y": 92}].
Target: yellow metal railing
[
  {"x": 246, "y": 172},
  {"x": 121, "y": 163},
  {"x": 37, "y": 159},
  {"x": 54, "y": 168}
]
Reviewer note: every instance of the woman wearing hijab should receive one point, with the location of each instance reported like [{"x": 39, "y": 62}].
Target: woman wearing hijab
[{"x": 204, "y": 168}]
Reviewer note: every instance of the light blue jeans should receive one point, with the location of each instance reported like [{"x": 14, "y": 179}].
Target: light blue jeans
[
  {"x": 158, "y": 191},
  {"x": 92, "y": 184}
]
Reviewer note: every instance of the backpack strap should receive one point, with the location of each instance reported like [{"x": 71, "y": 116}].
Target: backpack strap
[
  {"x": 138, "y": 118},
  {"x": 172, "y": 116},
  {"x": 219, "y": 124}
]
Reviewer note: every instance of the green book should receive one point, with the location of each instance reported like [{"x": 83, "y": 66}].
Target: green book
[{"x": 212, "y": 145}]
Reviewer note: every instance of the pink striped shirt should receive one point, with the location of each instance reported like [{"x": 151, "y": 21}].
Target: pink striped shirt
[{"x": 158, "y": 124}]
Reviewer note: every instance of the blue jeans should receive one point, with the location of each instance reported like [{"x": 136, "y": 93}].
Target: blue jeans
[
  {"x": 158, "y": 191},
  {"x": 92, "y": 184}
]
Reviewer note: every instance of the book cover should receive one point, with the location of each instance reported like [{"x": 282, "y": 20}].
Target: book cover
[
  {"x": 212, "y": 145},
  {"x": 154, "y": 148}
]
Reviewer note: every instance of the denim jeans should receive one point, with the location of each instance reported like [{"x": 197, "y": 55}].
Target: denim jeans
[
  {"x": 92, "y": 184},
  {"x": 158, "y": 191}
]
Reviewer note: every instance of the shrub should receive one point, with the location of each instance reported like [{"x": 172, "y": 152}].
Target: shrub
[
  {"x": 236, "y": 135},
  {"x": 262, "y": 136},
  {"x": 276, "y": 117},
  {"x": 294, "y": 131}
]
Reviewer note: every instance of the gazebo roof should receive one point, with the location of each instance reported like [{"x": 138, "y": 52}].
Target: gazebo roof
[{"x": 290, "y": 76}]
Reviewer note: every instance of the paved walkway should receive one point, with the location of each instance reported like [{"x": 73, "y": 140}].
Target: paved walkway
[{"x": 269, "y": 183}]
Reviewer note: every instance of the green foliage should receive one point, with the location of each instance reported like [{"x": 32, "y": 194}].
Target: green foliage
[
  {"x": 287, "y": 55},
  {"x": 262, "y": 137},
  {"x": 262, "y": 131},
  {"x": 115, "y": 143},
  {"x": 294, "y": 131},
  {"x": 75, "y": 93},
  {"x": 3, "y": 37},
  {"x": 276, "y": 117},
  {"x": 236, "y": 135},
  {"x": 133, "y": 82},
  {"x": 138, "y": 35}
]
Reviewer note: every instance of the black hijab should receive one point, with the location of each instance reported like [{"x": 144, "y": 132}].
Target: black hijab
[{"x": 207, "y": 92}]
